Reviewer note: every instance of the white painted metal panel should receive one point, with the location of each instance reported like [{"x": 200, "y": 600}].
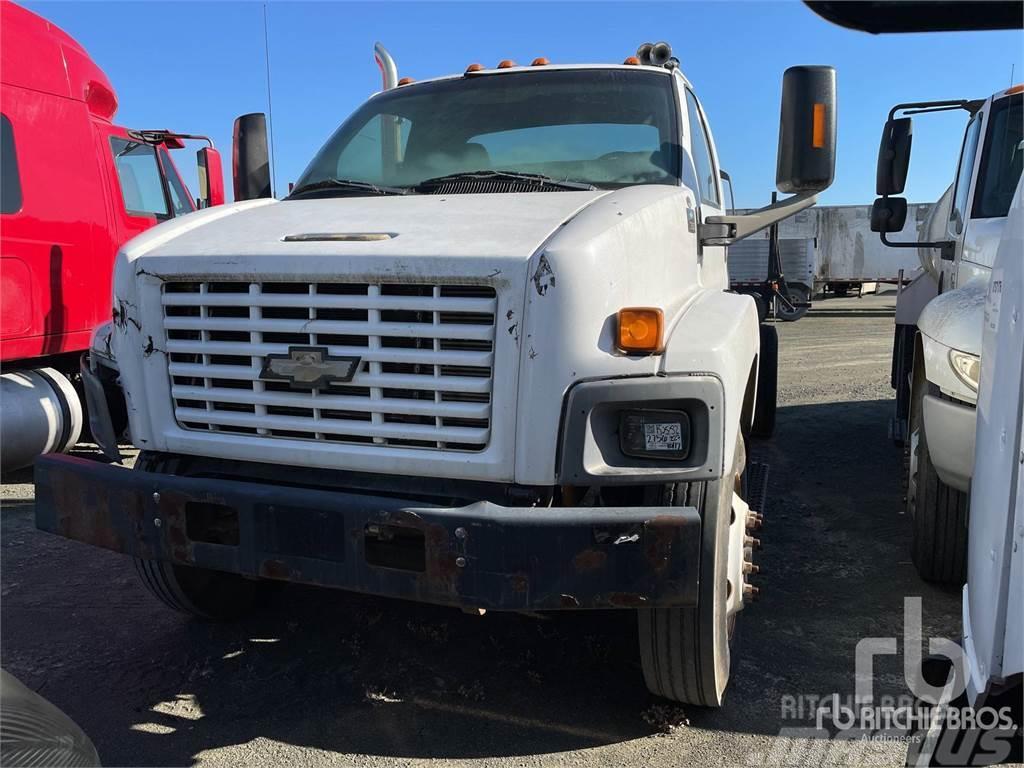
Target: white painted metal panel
[{"x": 993, "y": 617}]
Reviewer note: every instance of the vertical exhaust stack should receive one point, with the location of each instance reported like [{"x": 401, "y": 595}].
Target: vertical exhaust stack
[
  {"x": 388, "y": 68},
  {"x": 390, "y": 130}
]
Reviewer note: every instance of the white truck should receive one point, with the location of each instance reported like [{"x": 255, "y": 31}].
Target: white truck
[
  {"x": 937, "y": 344},
  {"x": 482, "y": 355}
]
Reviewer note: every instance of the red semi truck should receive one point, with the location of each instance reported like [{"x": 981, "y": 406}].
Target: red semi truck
[{"x": 75, "y": 187}]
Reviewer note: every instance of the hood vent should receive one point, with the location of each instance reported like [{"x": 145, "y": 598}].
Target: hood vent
[{"x": 334, "y": 237}]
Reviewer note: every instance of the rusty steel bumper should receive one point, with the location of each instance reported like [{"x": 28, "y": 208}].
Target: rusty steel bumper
[{"x": 478, "y": 556}]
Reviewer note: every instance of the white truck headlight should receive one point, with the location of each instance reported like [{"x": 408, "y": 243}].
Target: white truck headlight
[{"x": 966, "y": 366}]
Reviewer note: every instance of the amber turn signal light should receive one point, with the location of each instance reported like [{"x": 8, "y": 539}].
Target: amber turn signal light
[{"x": 641, "y": 329}]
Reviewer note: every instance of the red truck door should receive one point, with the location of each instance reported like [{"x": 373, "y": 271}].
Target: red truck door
[{"x": 137, "y": 194}]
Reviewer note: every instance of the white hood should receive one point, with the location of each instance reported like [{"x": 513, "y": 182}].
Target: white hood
[{"x": 488, "y": 225}]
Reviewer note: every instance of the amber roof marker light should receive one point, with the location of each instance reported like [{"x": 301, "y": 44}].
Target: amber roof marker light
[{"x": 474, "y": 67}]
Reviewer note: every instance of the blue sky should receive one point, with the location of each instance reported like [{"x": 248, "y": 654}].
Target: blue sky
[{"x": 193, "y": 67}]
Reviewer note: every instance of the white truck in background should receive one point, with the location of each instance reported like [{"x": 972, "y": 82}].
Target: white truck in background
[
  {"x": 938, "y": 335},
  {"x": 483, "y": 355}
]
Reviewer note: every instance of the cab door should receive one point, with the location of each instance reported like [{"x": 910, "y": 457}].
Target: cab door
[
  {"x": 997, "y": 169},
  {"x": 138, "y": 195},
  {"x": 700, "y": 170}
]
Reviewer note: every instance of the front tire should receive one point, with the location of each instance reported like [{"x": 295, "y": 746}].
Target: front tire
[
  {"x": 938, "y": 544},
  {"x": 684, "y": 650},
  {"x": 199, "y": 592}
]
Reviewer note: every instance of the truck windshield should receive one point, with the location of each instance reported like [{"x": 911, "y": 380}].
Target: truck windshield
[
  {"x": 604, "y": 127},
  {"x": 1002, "y": 159}
]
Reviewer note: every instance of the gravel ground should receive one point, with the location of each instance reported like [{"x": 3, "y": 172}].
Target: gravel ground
[{"x": 330, "y": 678}]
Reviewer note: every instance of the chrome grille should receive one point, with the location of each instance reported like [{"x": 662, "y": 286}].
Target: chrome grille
[{"x": 424, "y": 380}]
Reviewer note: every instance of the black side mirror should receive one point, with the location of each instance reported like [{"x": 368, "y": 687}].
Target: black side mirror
[
  {"x": 894, "y": 156},
  {"x": 888, "y": 214},
  {"x": 250, "y": 162},
  {"x": 807, "y": 130}
]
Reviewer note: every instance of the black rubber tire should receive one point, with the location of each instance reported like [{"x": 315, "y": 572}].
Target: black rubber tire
[
  {"x": 938, "y": 545},
  {"x": 797, "y": 295},
  {"x": 767, "y": 384},
  {"x": 684, "y": 650},
  {"x": 199, "y": 592},
  {"x": 35, "y": 732}
]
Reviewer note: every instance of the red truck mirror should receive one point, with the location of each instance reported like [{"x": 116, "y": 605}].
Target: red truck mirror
[{"x": 211, "y": 177}]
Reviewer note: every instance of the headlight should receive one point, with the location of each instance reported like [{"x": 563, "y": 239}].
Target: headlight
[
  {"x": 651, "y": 434},
  {"x": 966, "y": 366}
]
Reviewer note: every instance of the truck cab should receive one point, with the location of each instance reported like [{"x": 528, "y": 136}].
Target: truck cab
[
  {"x": 939, "y": 316},
  {"x": 75, "y": 187},
  {"x": 483, "y": 355}
]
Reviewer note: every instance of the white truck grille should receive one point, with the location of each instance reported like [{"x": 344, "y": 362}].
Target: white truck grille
[{"x": 424, "y": 378}]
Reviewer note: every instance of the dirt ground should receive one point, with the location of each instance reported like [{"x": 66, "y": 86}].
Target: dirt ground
[{"x": 331, "y": 678}]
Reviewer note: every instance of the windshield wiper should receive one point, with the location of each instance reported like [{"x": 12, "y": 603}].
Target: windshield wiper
[
  {"x": 489, "y": 175},
  {"x": 347, "y": 185}
]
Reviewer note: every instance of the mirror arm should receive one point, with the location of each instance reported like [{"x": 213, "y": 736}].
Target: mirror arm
[
  {"x": 945, "y": 246},
  {"x": 725, "y": 230},
  {"x": 922, "y": 107}
]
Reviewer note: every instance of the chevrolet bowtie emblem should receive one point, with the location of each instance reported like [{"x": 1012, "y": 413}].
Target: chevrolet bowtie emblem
[{"x": 309, "y": 367}]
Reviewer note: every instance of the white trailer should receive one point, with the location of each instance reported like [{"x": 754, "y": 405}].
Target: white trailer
[
  {"x": 847, "y": 254},
  {"x": 748, "y": 273},
  {"x": 850, "y": 255}
]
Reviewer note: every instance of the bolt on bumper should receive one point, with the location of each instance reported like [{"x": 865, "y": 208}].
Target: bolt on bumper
[{"x": 481, "y": 555}]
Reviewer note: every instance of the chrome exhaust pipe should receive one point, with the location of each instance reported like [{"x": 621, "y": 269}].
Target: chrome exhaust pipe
[{"x": 388, "y": 68}]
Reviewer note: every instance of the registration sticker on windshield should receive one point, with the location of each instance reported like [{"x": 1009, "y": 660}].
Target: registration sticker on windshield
[{"x": 663, "y": 437}]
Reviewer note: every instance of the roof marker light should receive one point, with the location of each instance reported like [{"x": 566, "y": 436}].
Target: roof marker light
[
  {"x": 506, "y": 64},
  {"x": 540, "y": 61},
  {"x": 474, "y": 67},
  {"x": 406, "y": 81},
  {"x": 632, "y": 60}
]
